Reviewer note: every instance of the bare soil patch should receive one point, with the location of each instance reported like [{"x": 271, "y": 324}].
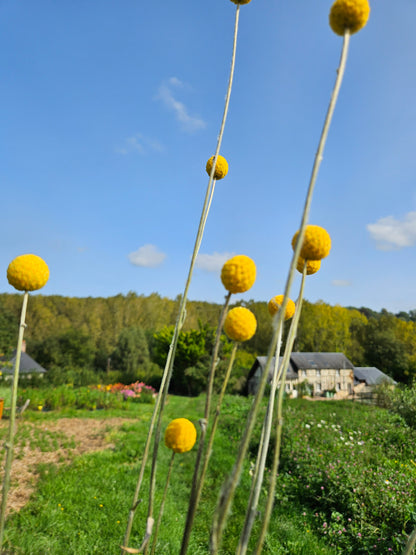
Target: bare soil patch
[{"x": 75, "y": 436}]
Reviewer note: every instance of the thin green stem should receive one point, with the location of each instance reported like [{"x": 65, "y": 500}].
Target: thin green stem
[
  {"x": 10, "y": 441},
  {"x": 279, "y": 415},
  {"x": 167, "y": 373},
  {"x": 197, "y": 481},
  {"x": 162, "y": 504},
  {"x": 409, "y": 548},
  {"x": 261, "y": 458}
]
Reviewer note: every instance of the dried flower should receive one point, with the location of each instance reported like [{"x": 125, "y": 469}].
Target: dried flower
[
  {"x": 238, "y": 274},
  {"x": 180, "y": 435},
  {"x": 316, "y": 243},
  {"x": 221, "y": 167},
  {"x": 27, "y": 272},
  {"x": 312, "y": 266},
  {"x": 240, "y": 324},
  {"x": 277, "y": 301},
  {"x": 351, "y": 15}
]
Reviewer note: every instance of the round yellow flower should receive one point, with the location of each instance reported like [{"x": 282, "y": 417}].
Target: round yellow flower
[
  {"x": 221, "y": 167},
  {"x": 240, "y": 324},
  {"x": 27, "y": 272},
  {"x": 316, "y": 243},
  {"x": 180, "y": 435},
  {"x": 312, "y": 266},
  {"x": 238, "y": 274},
  {"x": 349, "y": 14},
  {"x": 277, "y": 301}
]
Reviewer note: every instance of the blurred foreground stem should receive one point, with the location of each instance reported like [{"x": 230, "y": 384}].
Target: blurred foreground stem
[{"x": 10, "y": 440}]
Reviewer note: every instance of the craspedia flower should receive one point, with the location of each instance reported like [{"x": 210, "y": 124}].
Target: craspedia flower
[
  {"x": 312, "y": 266},
  {"x": 238, "y": 274},
  {"x": 221, "y": 167},
  {"x": 277, "y": 301},
  {"x": 316, "y": 243},
  {"x": 180, "y": 435},
  {"x": 27, "y": 272},
  {"x": 349, "y": 14},
  {"x": 240, "y": 324}
]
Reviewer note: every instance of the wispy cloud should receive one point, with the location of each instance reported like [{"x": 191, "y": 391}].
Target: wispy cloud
[
  {"x": 139, "y": 143},
  {"x": 147, "y": 256},
  {"x": 213, "y": 262},
  {"x": 341, "y": 283},
  {"x": 165, "y": 94},
  {"x": 392, "y": 234}
]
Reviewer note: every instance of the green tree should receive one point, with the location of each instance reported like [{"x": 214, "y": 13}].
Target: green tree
[
  {"x": 131, "y": 355},
  {"x": 191, "y": 360}
]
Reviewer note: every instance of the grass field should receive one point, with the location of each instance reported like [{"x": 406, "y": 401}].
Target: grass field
[{"x": 346, "y": 483}]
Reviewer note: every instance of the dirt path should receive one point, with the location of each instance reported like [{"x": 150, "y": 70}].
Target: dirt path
[{"x": 74, "y": 436}]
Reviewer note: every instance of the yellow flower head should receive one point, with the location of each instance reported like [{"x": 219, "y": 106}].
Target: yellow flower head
[
  {"x": 348, "y": 14},
  {"x": 241, "y": 1},
  {"x": 221, "y": 167},
  {"x": 27, "y": 272},
  {"x": 180, "y": 435},
  {"x": 238, "y": 274},
  {"x": 312, "y": 266},
  {"x": 240, "y": 324},
  {"x": 277, "y": 301},
  {"x": 316, "y": 243}
]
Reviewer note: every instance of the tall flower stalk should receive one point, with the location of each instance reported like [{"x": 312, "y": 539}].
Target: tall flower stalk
[
  {"x": 168, "y": 370},
  {"x": 279, "y": 414},
  {"x": 240, "y": 325},
  {"x": 230, "y": 485},
  {"x": 27, "y": 272},
  {"x": 258, "y": 473},
  {"x": 180, "y": 437}
]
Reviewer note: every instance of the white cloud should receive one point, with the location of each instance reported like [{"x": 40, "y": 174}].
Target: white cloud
[
  {"x": 189, "y": 123},
  {"x": 147, "y": 256},
  {"x": 139, "y": 143},
  {"x": 213, "y": 262},
  {"x": 341, "y": 283},
  {"x": 391, "y": 234}
]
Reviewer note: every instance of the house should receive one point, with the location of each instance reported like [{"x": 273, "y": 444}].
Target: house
[
  {"x": 28, "y": 366},
  {"x": 324, "y": 373}
]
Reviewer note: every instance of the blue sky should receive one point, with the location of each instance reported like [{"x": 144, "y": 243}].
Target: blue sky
[{"x": 111, "y": 109}]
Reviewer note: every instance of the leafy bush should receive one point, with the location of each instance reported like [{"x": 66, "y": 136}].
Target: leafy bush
[{"x": 351, "y": 470}]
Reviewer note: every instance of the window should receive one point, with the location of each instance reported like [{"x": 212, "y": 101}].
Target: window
[
  {"x": 318, "y": 386},
  {"x": 337, "y": 373},
  {"x": 318, "y": 373}
]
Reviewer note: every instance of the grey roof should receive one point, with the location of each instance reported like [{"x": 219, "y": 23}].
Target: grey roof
[
  {"x": 27, "y": 365},
  {"x": 291, "y": 372},
  {"x": 320, "y": 361},
  {"x": 371, "y": 375}
]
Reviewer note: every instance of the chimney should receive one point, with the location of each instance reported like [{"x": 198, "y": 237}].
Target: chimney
[{"x": 23, "y": 346}]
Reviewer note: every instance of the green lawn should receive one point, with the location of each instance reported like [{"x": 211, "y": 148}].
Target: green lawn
[{"x": 346, "y": 485}]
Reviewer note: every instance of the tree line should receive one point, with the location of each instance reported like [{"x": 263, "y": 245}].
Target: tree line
[{"x": 126, "y": 338}]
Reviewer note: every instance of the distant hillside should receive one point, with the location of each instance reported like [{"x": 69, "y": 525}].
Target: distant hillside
[{"x": 367, "y": 337}]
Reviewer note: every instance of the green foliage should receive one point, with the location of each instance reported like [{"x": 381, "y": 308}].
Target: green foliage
[
  {"x": 191, "y": 358},
  {"x": 400, "y": 400},
  {"x": 131, "y": 355},
  {"x": 349, "y": 469},
  {"x": 66, "y": 396}
]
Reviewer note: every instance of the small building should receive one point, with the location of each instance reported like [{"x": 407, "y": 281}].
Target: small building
[
  {"x": 28, "y": 366},
  {"x": 367, "y": 378}
]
